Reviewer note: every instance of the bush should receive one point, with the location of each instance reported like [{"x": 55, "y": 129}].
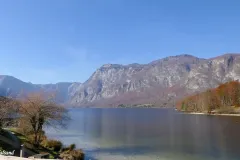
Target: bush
[
  {"x": 78, "y": 154},
  {"x": 54, "y": 144},
  {"x": 72, "y": 147},
  {"x": 72, "y": 155},
  {"x": 64, "y": 149},
  {"x": 31, "y": 139}
]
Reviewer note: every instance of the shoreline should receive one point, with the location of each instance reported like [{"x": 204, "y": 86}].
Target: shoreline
[
  {"x": 119, "y": 107},
  {"x": 207, "y": 114},
  {"x": 180, "y": 112}
]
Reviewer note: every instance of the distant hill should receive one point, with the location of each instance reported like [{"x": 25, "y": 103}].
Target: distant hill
[
  {"x": 11, "y": 87},
  {"x": 160, "y": 82}
]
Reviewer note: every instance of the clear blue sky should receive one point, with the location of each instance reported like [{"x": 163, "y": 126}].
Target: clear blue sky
[{"x": 48, "y": 41}]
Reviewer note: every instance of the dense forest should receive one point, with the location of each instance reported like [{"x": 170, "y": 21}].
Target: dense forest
[{"x": 223, "y": 99}]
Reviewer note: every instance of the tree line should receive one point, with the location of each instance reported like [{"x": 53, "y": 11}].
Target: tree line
[{"x": 225, "y": 97}]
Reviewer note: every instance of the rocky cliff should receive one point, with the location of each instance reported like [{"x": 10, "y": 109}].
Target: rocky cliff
[{"x": 159, "y": 82}]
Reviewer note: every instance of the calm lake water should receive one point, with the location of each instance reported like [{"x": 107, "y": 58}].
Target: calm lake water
[{"x": 154, "y": 134}]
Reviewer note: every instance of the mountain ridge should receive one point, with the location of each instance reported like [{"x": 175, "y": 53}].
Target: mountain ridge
[{"x": 160, "y": 82}]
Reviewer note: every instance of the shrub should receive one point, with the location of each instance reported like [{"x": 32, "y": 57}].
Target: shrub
[
  {"x": 63, "y": 149},
  {"x": 54, "y": 144},
  {"x": 78, "y": 154},
  {"x": 72, "y": 147},
  {"x": 72, "y": 155},
  {"x": 68, "y": 148},
  {"x": 31, "y": 139}
]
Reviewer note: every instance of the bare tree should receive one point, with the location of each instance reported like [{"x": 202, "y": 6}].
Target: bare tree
[
  {"x": 8, "y": 109},
  {"x": 38, "y": 110}
]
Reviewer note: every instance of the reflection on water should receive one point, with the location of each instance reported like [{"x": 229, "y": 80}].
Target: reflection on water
[{"x": 151, "y": 134}]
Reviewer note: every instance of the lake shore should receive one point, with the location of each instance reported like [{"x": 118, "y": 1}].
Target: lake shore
[
  {"x": 47, "y": 148},
  {"x": 207, "y": 114}
]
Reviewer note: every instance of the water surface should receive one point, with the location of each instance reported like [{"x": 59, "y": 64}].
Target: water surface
[{"x": 155, "y": 134}]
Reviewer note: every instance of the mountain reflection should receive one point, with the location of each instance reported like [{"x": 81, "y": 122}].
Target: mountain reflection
[{"x": 153, "y": 132}]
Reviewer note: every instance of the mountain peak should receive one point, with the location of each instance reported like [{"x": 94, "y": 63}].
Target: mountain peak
[
  {"x": 4, "y": 78},
  {"x": 184, "y": 55},
  {"x": 226, "y": 55},
  {"x": 106, "y": 65},
  {"x": 180, "y": 58},
  {"x": 109, "y": 65}
]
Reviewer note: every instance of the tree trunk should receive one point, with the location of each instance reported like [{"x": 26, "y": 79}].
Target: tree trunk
[{"x": 36, "y": 143}]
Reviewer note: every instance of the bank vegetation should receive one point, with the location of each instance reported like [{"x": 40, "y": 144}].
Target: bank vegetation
[
  {"x": 225, "y": 99},
  {"x": 29, "y": 114}
]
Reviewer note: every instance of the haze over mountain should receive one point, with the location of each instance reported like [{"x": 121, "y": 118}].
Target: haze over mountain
[
  {"x": 160, "y": 82},
  {"x": 11, "y": 86}
]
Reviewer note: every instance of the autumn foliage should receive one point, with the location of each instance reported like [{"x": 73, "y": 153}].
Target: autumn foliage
[{"x": 225, "y": 95}]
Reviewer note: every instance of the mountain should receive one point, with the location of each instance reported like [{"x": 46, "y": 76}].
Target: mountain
[
  {"x": 11, "y": 86},
  {"x": 113, "y": 84},
  {"x": 160, "y": 82}
]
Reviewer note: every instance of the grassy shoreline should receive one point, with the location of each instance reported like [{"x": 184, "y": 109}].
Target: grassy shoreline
[
  {"x": 64, "y": 151},
  {"x": 24, "y": 140}
]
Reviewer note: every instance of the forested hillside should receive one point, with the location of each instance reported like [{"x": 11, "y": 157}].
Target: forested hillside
[{"x": 223, "y": 99}]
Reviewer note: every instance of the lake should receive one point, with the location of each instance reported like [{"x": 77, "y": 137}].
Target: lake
[{"x": 148, "y": 133}]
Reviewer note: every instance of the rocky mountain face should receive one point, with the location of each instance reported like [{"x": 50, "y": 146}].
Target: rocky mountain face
[
  {"x": 160, "y": 82},
  {"x": 213, "y": 72}
]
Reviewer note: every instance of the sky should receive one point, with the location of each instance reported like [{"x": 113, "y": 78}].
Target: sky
[{"x": 49, "y": 41}]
